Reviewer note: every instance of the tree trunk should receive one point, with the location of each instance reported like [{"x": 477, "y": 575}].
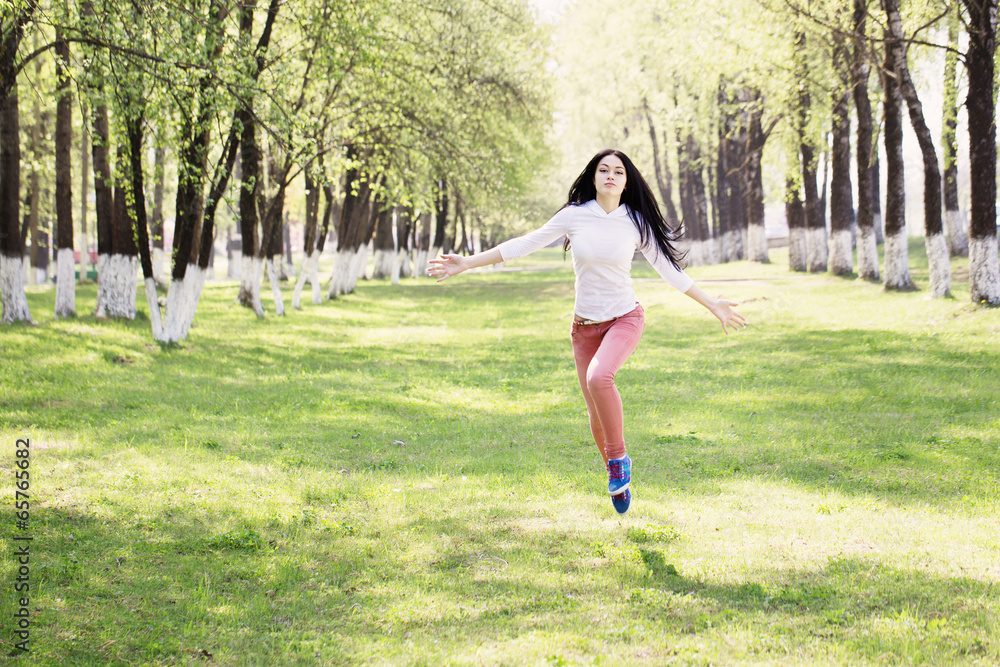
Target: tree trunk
[
  {"x": 156, "y": 228},
  {"x": 355, "y": 230},
  {"x": 38, "y": 253},
  {"x": 815, "y": 227},
  {"x": 134, "y": 131},
  {"x": 757, "y": 249},
  {"x": 249, "y": 293},
  {"x": 984, "y": 268},
  {"x": 694, "y": 204},
  {"x": 121, "y": 267},
  {"x": 103, "y": 205},
  {"x": 422, "y": 244},
  {"x": 251, "y": 186},
  {"x": 440, "y": 219},
  {"x": 955, "y": 223},
  {"x": 310, "y": 256},
  {"x": 404, "y": 228},
  {"x": 796, "y": 218},
  {"x": 841, "y": 198},
  {"x": 272, "y": 229},
  {"x": 195, "y": 143},
  {"x": 897, "y": 261},
  {"x": 867, "y": 239},
  {"x": 721, "y": 199},
  {"x": 65, "y": 262},
  {"x": 85, "y": 265},
  {"x": 874, "y": 176},
  {"x": 663, "y": 176},
  {"x": 937, "y": 246},
  {"x": 15, "y": 300},
  {"x": 385, "y": 245}
]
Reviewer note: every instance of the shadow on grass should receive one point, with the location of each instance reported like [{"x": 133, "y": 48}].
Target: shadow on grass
[
  {"x": 171, "y": 587},
  {"x": 861, "y": 411}
]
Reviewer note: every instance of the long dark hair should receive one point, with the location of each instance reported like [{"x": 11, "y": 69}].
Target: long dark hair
[{"x": 638, "y": 200}]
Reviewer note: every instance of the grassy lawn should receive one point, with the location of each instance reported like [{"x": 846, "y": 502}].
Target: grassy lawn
[{"x": 404, "y": 476}]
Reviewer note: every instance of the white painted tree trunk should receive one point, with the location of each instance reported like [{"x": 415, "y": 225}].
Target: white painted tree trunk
[
  {"x": 400, "y": 265},
  {"x": 338, "y": 274},
  {"x": 122, "y": 283},
  {"x": 818, "y": 253},
  {"x": 65, "y": 283},
  {"x": 383, "y": 263},
  {"x": 958, "y": 241},
  {"x": 405, "y": 265},
  {"x": 710, "y": 251},
  {"x": 696, "y": 255},
  {"x": 984, "y": 270},
  {"x": 736, "y": 245},
  {"x": 897, "y": 262},
  {"x": 867, "y": 255},
  {"x": 317, "y": 293},
  {"x": 797, "y": 249},
  {"x": 176, "y": 296},
  {"x": 360, "y": 271},
  {"x": 310, "y": 269},
  {"x": 757, "y": 244},
  {"x": 15, "y": 300},
  {"x": 940, "y": 265},
  {"x": 249, "y": 294},
  {"x": 153, "y": 303},
  {"x": 159, "y": 262},
  {"x": 841, "y": 252},
  {"x": 100, "y": 309},
  {"x": 419, "y": 263},
  {"x": 194, "y": 281},
  {"x": 272, "y": 274}
]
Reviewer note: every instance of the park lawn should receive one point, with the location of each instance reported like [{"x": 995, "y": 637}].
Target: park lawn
[{"x": 403, "y": 476}]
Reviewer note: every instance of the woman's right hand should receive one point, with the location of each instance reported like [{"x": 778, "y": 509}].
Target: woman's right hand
[{"x": 446, "y": 266}]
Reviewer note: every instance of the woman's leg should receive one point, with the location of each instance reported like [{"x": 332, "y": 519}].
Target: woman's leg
[{"x": 599, "y": 351}]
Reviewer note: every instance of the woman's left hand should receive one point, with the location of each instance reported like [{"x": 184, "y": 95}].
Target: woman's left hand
[{"x": 723, "y": 309}]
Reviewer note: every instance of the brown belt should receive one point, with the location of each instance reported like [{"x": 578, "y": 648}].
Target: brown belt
[{"x": 580, "y": 320}]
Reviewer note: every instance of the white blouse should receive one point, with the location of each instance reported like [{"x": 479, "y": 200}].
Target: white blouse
[{"x": 603, "y": 245}]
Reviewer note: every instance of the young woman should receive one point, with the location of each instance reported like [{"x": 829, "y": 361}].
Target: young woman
[{"x": 610, "y": 213}]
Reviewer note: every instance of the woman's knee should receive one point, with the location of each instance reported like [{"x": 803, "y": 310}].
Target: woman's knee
[{"x": 600, "y": 380}]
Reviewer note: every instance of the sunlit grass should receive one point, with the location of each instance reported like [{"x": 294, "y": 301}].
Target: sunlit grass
[{"x": 404, "y": 475}]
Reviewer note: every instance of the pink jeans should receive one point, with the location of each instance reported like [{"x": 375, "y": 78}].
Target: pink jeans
[{"x": 599, "y": 351}]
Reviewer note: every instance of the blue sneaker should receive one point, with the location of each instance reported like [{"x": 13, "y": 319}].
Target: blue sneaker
[
  {"x": 622, "y": 501},
  {"x": 619, "y": 475}
]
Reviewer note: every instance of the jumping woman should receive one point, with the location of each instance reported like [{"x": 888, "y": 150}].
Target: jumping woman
[{"x": 610, "y": 213}]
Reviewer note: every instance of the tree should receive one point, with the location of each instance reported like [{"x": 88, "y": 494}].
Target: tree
[
  {"x": 937, "y": 248},
  {"x": 868, "y": 268},
  {"x": 15, "y": 301},
  {"x": 841, "y": 198},
  {"x": 984, "y": 267},
  {"x": 65, "y": 281},
  {"x": 897, "y": 259},
  {"x": 958, "y": 242}
]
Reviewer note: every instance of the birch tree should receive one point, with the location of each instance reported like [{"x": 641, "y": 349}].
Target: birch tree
[
  {"x": 14, "y": 21},
  {"x": 984, "y": 267},
  {"x": 868, "y": 266},
  {"x": 955, "y": 222},
  {"x": 937, "y": 247}
]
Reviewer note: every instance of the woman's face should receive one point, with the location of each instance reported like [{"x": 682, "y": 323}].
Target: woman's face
[{"x": 609, "y": 179}]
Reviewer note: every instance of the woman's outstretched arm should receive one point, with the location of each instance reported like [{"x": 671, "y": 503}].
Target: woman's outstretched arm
[
  {"x": 721, "y": 308},
  {"x": 449, "y": 265}
]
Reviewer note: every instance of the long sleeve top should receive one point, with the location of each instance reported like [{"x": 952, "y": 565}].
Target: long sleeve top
[{"x": 603, "y": 245}]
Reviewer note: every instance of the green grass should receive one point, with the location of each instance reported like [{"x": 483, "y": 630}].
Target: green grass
[{"x": 404, "y": 476}]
